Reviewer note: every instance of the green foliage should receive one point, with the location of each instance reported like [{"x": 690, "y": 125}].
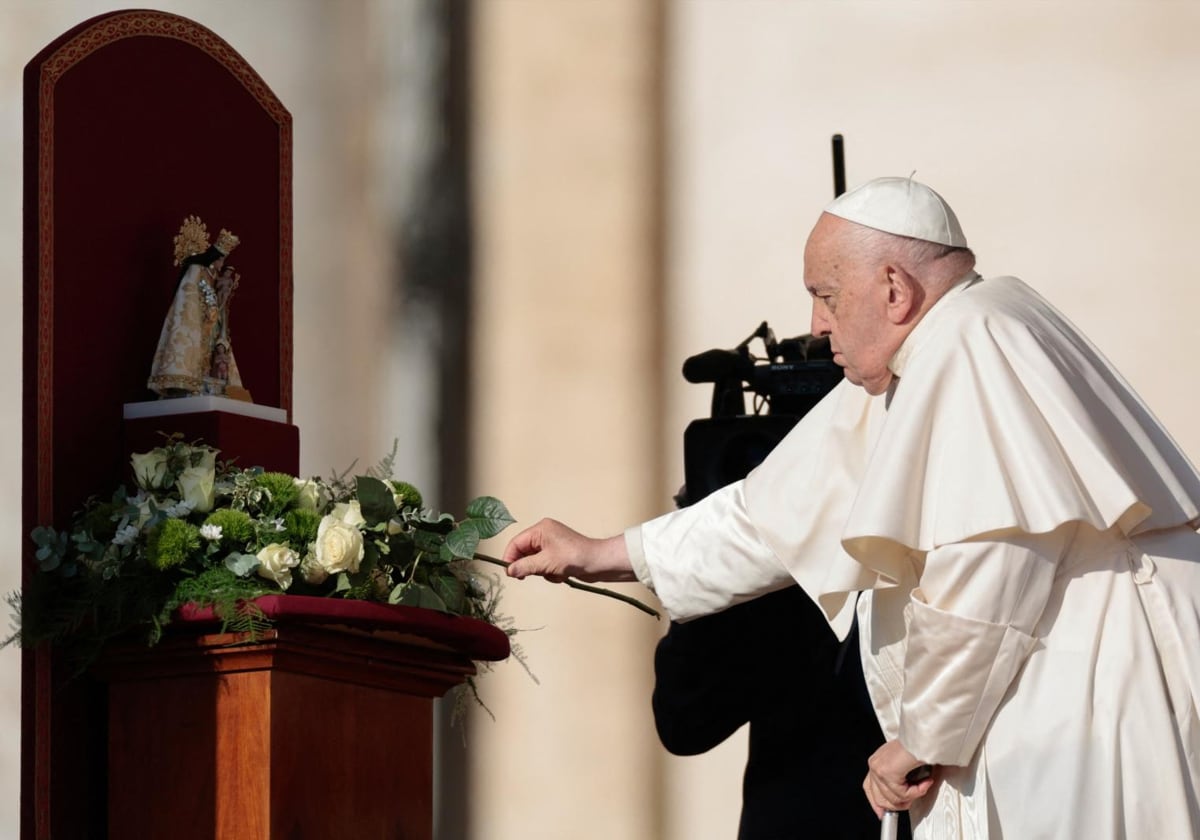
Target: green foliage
[
  {"x": 300, "y": 527},
  {"x": 407, "y": 496},
  {"x": 230, "y": 597},
  {"x": 237, "y": 528},
  {"x": 375, "y": 500},
  {"x": 488, "y": 516},
  {"x": 280, "y": 492},
  {"x": 171, "y": 543}
]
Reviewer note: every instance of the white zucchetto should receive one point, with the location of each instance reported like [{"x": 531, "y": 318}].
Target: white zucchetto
[{"x": 901, "y": 206}]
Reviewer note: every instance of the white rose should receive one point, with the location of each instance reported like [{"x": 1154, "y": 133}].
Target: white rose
[
  {"x": 150, "y": 469},
  {"x": 312, "y": 571},
  {"x": 348, "y": 513},
  {"x": 195, "y": 484},
  {"x": 310, "y": 494},
  {"x": 275, "y": 562},
  {"x": 339, "y": 546}
]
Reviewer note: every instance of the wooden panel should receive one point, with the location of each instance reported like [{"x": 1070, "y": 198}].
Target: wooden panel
[
  {"x": 349, "y": 761},
  {"x": 307, "y": 732}
]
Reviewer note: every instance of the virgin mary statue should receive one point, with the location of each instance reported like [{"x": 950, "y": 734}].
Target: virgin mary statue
[{"x": 194, "y": 354}]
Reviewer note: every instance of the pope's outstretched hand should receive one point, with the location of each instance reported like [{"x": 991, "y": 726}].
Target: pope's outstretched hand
[{"x": 556, "y": 552}]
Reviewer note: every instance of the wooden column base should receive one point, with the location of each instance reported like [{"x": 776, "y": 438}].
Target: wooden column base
[{"x": 311, "y": 732}]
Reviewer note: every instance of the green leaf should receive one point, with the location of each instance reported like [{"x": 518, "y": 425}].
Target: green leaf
[
  {"x": 427, "y": 541},
  {"x": 343, "y": 583},
  {"x": 241, "y": 564},
  {"x": 417, "y": 595},
  {"x": 451, "y": 590},
  {"x": 489, "y": 515},
  {"x": 463, "y": 540},
  {"x": 44, "y": 537},
  {"x": 375, "y": 500}
]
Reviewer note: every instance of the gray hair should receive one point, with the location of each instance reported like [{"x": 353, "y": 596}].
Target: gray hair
[{"x": 929, "y": 261}]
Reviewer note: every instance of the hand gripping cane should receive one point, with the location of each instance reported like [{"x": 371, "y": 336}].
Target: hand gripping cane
[{"x": 891, "y": 819}]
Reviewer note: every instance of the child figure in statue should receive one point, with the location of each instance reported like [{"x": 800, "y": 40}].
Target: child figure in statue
[{"x": 186, "y": 362}]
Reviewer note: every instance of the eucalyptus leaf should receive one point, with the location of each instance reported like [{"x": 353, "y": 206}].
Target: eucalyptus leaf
[
  {"x": 489, "y": 516},
  {"x": 240, "y": 564},
  {"x": 43, "y": 536}
]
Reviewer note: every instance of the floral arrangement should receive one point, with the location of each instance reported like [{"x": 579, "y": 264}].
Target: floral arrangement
[{"x": 200, "y": 531}]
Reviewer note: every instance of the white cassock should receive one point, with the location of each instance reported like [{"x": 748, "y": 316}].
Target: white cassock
[{"x": 1022, "y": 531}]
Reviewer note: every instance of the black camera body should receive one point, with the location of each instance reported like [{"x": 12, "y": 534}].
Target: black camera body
[{"x": 793, "y": 376}]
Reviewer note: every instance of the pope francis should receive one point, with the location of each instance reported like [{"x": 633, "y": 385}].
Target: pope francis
[{"x": 1010, "y": 526}]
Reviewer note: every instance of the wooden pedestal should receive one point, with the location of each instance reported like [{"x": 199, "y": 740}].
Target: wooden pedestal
[{"x": 314, "y": 731}]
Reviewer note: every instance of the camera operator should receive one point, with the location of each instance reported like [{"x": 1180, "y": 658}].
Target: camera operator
[{"x": 773, "y": 662}]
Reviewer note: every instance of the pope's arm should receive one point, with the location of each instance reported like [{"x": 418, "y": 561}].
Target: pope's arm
[
  {"x": 970, "y": 630},
  {"x": 698, "y": 560}
]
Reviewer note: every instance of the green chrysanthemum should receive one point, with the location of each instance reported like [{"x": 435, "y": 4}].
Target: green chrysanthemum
[
  {"x": 171, "y": 543},
  {"x": 237, "y": 528},
  {"x": 406, "y": 495},
  {"x": 281, "y": 490},
  {"x": 300, "y": 527}
]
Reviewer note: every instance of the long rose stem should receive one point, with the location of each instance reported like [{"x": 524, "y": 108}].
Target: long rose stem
[{"x": 597, "y": 590}]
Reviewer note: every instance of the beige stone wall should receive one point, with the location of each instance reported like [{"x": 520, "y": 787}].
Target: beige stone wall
[{"x": 564, "y": 180}]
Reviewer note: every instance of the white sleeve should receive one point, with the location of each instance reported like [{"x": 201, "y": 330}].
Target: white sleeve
[
  {"x": 706, "y": 557},
  {"x": 970, "y": 630}
]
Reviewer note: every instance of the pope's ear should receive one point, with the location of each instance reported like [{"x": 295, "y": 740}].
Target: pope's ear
[{"x": 904, "y": 295}]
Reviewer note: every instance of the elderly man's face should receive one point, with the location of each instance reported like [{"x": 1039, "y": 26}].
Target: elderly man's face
[{"x": 850, "y": 297}]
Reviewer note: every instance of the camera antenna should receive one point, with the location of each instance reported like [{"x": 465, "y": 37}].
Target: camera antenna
[{"x": 839, "y": 167}]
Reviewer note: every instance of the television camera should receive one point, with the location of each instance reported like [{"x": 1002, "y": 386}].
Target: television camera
[{"x": 785, "y": 384}]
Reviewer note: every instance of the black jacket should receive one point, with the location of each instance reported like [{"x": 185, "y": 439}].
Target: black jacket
[{"x": 774, "y": 663}]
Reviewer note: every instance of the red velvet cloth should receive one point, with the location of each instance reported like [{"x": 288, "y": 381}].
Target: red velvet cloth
[{"x": 473, "y": 638}]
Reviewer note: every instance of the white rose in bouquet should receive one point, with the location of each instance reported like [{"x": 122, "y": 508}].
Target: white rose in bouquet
[
  {"x": 339, "y": 546},
  {"x": 196, "y": 484},
  {"x": 275, "y": 562},
  {"x": 348, "y": 513},
  {"x": 150, "y": 469},
  {"x": 310, "y": 494}
]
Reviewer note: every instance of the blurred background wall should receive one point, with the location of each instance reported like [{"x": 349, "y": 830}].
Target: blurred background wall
[{"x": 515, "y": 219}]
